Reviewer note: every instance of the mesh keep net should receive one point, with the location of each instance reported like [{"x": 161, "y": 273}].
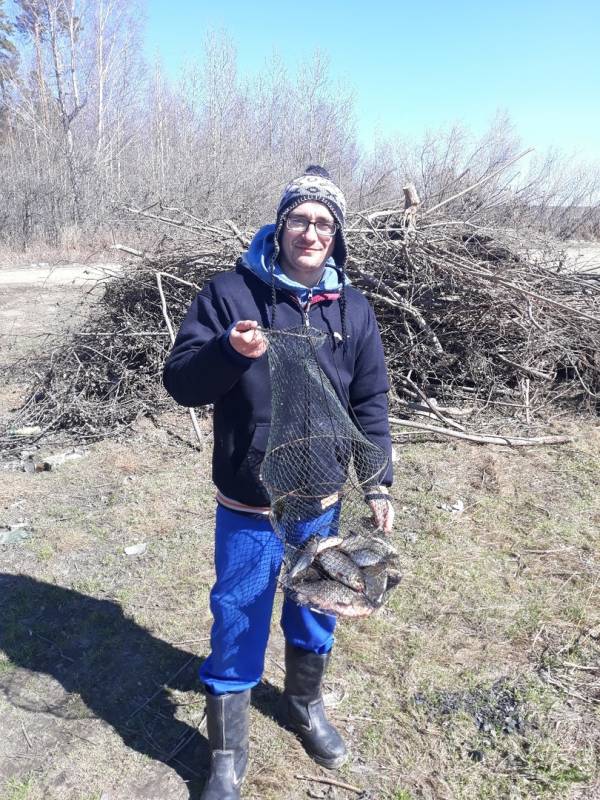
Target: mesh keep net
[{"x": 317, "y": 469}]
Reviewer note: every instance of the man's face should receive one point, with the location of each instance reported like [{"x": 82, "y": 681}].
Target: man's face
[{"x": 303, "y": 254}]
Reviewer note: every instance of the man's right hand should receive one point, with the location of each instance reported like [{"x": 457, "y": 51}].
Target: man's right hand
[{"x": 246, "y": 339}]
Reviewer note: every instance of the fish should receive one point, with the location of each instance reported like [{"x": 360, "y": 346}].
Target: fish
[
  {"x": 376, "y": 582},
  {"x": 353, "y": 541},
  {"x": 331, "y": 597},
  {"x": 309, "y": 575},
  {"x": 358, "y": 541},
  {"x": 277, "y": 509},
  {"x": 302, "y": 559},
  {"x": 366, "y": 557},
  {"x": 340, "y": 566},
  {"x": 328, "y": 542},
  {"x": 305, "y": 557},
  {"x": 394, "y": 578}
]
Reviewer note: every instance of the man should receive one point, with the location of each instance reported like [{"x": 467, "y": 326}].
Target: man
[{"x": 292, "y": 274}]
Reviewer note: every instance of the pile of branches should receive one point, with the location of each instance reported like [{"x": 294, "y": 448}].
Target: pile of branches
[
  {"x": 477, "y": 314},
  {"x": 470, "y": 315}
]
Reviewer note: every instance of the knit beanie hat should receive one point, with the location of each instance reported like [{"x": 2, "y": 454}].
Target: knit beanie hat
[{"x": 314, "y": 185}]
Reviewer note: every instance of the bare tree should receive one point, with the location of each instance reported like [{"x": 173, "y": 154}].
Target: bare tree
[
  {"x": 8, "y": 56},
  {"x": 86, "y": 127}
]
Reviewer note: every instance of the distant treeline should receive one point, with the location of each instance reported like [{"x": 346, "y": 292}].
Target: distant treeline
[{"x": 87, "y": 128}]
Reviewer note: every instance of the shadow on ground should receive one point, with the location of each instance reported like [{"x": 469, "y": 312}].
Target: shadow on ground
[{"x": 94, "y": 651}]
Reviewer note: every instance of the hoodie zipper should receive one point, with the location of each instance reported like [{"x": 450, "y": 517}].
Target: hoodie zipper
[{"x": 306, "y": 308}]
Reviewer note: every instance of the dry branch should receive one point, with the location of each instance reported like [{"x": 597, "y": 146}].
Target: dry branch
[
  {"x": 330, "y": 782},
  {"x": 465, "y": 311},
  {"x": 477, "y": 184},
  {"x": 165, "y": 313},
  {"x": 431, "y": 406},
  {"x": 480, "y": 438},
  {"x": 131, "y": 251}
]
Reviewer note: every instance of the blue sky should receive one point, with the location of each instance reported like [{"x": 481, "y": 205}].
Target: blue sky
[{"x": 418, "y": 65}]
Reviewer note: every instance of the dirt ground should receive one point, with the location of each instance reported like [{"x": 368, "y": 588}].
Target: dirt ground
[{"x": 479, "y": 679}]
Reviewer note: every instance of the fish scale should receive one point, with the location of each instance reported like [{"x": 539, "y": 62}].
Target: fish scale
[
  {"x": 330, "y": 597},
  {"x": 301, "y": 559},
  {"x": 366, "y": 558},
  {"x": 341, "y": 567},
  {"x": 358, "y": 541}
]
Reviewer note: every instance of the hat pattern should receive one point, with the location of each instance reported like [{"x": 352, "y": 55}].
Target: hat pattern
[{"x": 315, "y": 185}]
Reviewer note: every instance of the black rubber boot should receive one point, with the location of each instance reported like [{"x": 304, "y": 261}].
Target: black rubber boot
[
  {"x": 302, "y": 709},
  {"x": 227, "y": 723}
]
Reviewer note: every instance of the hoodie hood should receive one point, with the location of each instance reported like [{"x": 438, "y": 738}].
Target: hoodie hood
[{"x": 258, "y": 260}]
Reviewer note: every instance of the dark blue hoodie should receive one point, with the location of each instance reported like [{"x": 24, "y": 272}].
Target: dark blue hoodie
[{"x": 203, "y": 368}]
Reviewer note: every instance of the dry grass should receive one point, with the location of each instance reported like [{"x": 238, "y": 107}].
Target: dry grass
[
  {"x": 70, "y": 251},
  {"x": 478, "y": 680}
]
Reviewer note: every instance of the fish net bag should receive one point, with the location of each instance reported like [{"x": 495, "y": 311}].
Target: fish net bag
[{"x": 317, "y": 468}]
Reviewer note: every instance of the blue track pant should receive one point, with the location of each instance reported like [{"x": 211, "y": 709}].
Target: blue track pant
[{"x": 248, "y": 558}]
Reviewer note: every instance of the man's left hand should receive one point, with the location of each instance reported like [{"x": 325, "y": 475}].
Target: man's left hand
[{"x": 382, "y": 510}]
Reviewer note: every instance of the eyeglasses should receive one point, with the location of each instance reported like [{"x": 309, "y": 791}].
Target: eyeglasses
[{"x": 301, "y": 225}]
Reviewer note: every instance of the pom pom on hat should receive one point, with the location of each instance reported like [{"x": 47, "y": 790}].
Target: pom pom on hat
[
  {"x": 315, "y": 184},
  {"x": 315, "y": 169}
]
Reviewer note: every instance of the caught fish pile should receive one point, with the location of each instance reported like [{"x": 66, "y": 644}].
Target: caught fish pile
[{"x": 349, "y": 577}]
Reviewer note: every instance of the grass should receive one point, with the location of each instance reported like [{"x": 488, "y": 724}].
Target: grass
[
  {"x": 5, "y": 665},
  {"x": 17, "y": 789},
  {"x": 477, "y": 680}
]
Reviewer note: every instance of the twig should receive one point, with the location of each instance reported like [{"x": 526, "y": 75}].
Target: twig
[
  {"x": 585, "y": 388},
  {"x": 330, "y": 782},
  {"x": 567, "y": 690},
  {"x": 531, "y": 318},
  {"x": 25, "y": 734},
  {"x": 434, "y": 410},
  {"x": 27, "y": 756},
  {"x": 277, "y": 664},
  {"x": 179, "y": 280},
  {"x": 536, "y": 373},
  {"x": 413, "y": 313},
  {"x": 190, "y": 641},
  {"x": 82, "y": 738},
  {"x": 165, "y": 312},
  {"x": 130, "y": 250},
  {"x": 480, "y": 182},
  {"x": 166, "y": 220},
  {"x": 480, "y": 438},
  {"x": 203, "y": 228},
  {"x": 580, "y": 666},
  {"x": 526, "y": 398},
  {"x": 243, "y": 240},
  {"x": 119, "y": 333},
  {"x": 482, "y": 273}
]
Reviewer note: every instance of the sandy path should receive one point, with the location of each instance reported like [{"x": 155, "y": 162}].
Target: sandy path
[
  {"x": 74, "y": 274},
  {"x": 39, "y": 303},
  {"x": 584, "y": 256}
]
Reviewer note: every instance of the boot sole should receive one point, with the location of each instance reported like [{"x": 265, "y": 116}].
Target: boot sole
[{"x": 328, "y": 763}]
